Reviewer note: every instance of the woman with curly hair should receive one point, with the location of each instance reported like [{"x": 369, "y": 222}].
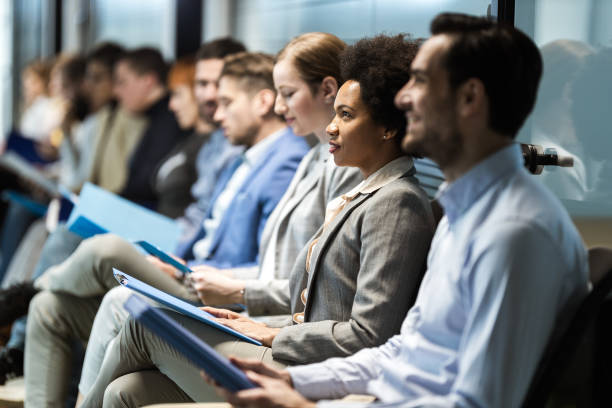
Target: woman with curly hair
[{"x": 353, "y": 282}]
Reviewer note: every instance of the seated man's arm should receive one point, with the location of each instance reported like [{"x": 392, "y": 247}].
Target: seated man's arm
[
  {"x": 338, "y": 377},
  {"x": 518, "y": 286}
]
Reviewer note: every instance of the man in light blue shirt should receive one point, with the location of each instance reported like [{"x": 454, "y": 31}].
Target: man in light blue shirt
[{"x": 506, "y": 266}]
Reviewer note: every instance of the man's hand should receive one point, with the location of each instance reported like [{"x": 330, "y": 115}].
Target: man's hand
[
  {"x": 167, "y": 268},
  {"x": 214, "y": 288},
  {"x": 248, "y": 327},
  {"x": 275, "y": 387}
]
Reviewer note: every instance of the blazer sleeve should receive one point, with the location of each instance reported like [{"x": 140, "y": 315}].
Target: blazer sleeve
[{"x": 395, "y": 234}]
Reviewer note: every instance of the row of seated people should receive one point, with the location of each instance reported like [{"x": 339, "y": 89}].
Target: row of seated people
[
  {"x": 120, "y": 135},
  {"x": 338, "y": 247},
  {"x": 138, "y": 140}
]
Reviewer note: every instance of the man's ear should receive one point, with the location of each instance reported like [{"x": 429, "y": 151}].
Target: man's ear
[
  {"x": 328, "y": 89},
  {"x": 471, "y": 98},
  {"x": 150, "y": 79},
  {"x": 264, "y": 102}
]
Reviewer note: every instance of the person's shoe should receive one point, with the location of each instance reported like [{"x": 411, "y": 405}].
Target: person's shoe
[
  {"x": 11, "y": 364},
  {"x": 15, "y": 300}
]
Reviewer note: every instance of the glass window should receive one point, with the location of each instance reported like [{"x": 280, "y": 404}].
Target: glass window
[
  {"x": 267, "y": 25},
  {"x": 574, "y": 104},
  {"x": 136, "y": 23},
  {"x": 6, "y": 27}
]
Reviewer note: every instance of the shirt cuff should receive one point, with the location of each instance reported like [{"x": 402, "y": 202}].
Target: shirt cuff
[{"x": 315, "y": 381}]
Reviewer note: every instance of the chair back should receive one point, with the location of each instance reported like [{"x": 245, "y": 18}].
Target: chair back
[{"x": 563, "y": 345}]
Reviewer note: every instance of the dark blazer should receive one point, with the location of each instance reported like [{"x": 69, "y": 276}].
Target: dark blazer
[
  {"x": 236, "y": 241},
  {"x": 366, "y": 270}
]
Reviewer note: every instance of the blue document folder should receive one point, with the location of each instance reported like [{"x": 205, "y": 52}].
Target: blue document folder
[
  {"x": 99, "y": 211},
  {"x": 177, "y": 304},
  {"x": 26, "y": 148},
  {"x": 30, "y": 172},
  {"x": 162, "y": 256},
  {"x": 185, "y": 342},
  {"x": 29, "y": 204}
]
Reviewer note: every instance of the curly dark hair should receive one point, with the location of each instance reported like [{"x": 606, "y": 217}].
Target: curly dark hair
[{"x": 381, "y": 65}]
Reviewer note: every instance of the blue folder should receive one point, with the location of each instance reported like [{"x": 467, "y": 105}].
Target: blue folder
[
  {"x": 29, "y": 204},
  {"x": 99, "y": 211},
  {"x": 26, "y": 148},
  {"x": 186, "y": 343},
  {"x": 30, "y": 172},
  {"x": 162, "y": 256},
  {"x": 177, "y": 304}
]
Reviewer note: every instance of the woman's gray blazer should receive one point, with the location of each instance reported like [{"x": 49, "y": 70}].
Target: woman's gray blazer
[{"x": 367, "y": 267}]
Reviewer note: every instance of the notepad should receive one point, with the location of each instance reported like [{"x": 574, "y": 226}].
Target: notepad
[
  {"x": 162, "y": 256},
  {"x": 177, "y": 304},
  {"x": 100, "y": 211},
  {"x": 198, "y": 352}
]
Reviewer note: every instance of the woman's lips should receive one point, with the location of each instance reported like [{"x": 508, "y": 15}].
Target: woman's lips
[
  {"x": 333, "y": 147},
  {"x": 290, "y": 121}
]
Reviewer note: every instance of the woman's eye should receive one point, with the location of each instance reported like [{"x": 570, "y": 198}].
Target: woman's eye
[
  {"x": 345, "y": 114},
  {"x": 288, "y": 95}
]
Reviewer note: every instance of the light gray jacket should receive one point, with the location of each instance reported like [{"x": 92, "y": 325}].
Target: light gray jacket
[
  {"x": 294, "y": 221},
  {"x": 365, "y": 272}
]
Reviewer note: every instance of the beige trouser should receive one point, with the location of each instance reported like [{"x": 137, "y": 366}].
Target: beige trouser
[
  {"x": 126, "y": 378},
  {"x": 365, "y": 399},
  {"x": 65, "y": 308}
]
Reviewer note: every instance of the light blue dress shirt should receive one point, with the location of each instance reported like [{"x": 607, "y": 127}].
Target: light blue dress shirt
[
  {"x": 214, "y": 155},
  {"x": 506, "y": 264}
]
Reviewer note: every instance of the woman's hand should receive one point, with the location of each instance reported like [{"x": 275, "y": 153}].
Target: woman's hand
[
  {"x": 246, "y": 326},
  {"x": 214, "y": 288}
]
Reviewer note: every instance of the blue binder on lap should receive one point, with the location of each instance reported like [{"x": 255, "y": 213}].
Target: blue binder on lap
[
  {"x": 177, "y": 304},
  {"x": 185, "y": 342},
  {"x": 162, "y": 256}
]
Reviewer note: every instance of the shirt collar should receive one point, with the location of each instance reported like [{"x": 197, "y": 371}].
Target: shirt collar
[
  {"x": 253, "y": 153},
  {"x": 457, "y": 197},
  {"x": 383, "y": 176}
]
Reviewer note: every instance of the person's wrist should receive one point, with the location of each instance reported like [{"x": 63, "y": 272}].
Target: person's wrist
[
  {"x": 269, "y": 337},
  {"x": 238, "y": 293}
]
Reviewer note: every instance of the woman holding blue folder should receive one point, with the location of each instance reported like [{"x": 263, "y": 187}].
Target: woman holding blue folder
[{"x": 352, "y": 283}]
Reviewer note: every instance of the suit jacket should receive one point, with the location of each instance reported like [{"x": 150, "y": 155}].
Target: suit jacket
[
  {"x": 365, "y": 272},
  {"x": 295, "y": 220},
  {"x": 236, "y": 241}
]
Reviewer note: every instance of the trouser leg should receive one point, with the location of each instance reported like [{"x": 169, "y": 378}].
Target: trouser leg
[
  {"x": 89, "y": 270},
  {"x": 106, "y": 326},
  {"x": 55, "y": 321},
  {"x": 142, "y": 388},
  {"x": 138, "y": 349}
]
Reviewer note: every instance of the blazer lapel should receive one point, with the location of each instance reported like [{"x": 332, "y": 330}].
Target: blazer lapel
[
  {"x": 289, "y": 194},
  {"x": 325, "y": 240},
  {"x": 245, "y": 185}
]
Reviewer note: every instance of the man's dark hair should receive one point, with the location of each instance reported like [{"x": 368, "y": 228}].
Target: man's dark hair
[
  {"x": 381, "y": 65},
  {"x": 107, "y": 54},
  {"x": 147, "y": 61},
  {"x": 506, "y": 61},
  {"x": 219, "y": 48}
]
